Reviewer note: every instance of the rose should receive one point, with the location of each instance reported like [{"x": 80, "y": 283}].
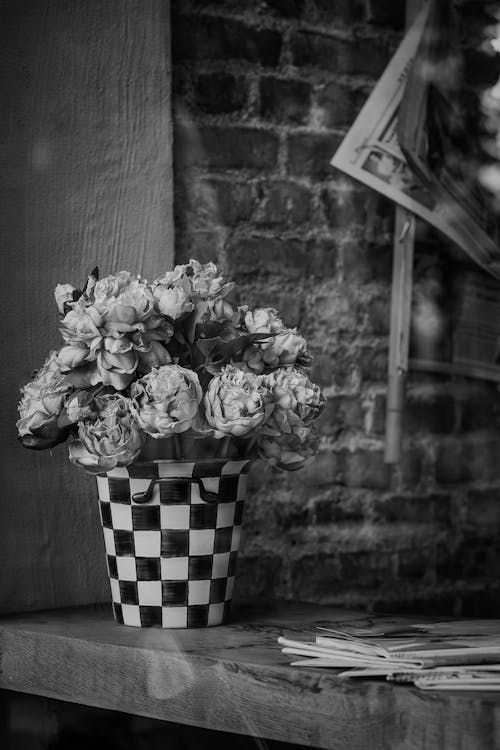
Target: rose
[
  {"x": 112, "y": 438},
  {"x": 80, "y": 326},
  {"x": 283, "y": 346},
  {"x": 298, "y": 401},
  {"x": 41, "y": 405},
  {"x": 111, "y": 286},
  {"x": 108, "y": 338},
  {"x": 172, "y": 301},
  {"x": 234, "y": 403},
  {"x": 206, "y": 284},
  {"x": 63, "y": 294},
  {"x": 197, "y": 281},
  {"x": 81, "y": 405},
  {"x": 289, "y": 452},
  {"x": 166, "y": 400}
]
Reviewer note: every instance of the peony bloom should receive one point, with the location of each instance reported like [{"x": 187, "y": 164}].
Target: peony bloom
[
  {"x": 198, "y": 282},
  {"x": 283, "y": 346},
  {"x": 298, "y": 402},
  {"x": 234, "y": 403},
  {"x": 111, "y": 439},
  {"x": 109, "y": 337},
  {"x": 81, "y": 405},
  {"x": 111, "y": 286},
  {"x": 166, "y": 400},
  {"x": 172, "y": 301},
  {"x": 63, "y": 294},
  {"x": 41, "y": 404},
  {"x": 289, "y": 452}
]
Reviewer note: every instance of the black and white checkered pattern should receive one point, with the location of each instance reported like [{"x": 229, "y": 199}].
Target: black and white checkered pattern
[{"x": 172, "y": 561}]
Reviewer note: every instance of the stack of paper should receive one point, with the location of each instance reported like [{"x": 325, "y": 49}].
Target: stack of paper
[{"x": 427, "y": 658}]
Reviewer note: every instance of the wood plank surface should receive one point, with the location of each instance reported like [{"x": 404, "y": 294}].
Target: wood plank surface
[
  {"x": 234, "y": 678},
  {"x": 85, "y": 151}
]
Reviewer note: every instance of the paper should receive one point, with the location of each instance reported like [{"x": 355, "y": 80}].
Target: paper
[
  {"x": 371, "y": 152},
  {"x": 447, "y": 654}
]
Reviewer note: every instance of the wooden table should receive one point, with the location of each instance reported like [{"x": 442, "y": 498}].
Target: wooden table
[{"x": 234, "y": 678}]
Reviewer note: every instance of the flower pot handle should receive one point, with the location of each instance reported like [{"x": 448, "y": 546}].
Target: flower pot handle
[{"x": 147, "y": 495}]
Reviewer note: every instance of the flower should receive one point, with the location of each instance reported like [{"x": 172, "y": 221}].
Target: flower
[
  {"x": 154, "y": 360},
  {"x": 111, "y": 286},
  {"x": 234, "y": 403},
  {"x": 197, "y": 281},
  {"x": 112, "y": 438},
  {"x": 63, "y": 294},
  {"x": 166, "y": 400},
  {"x": 41, "y": 405},
  {"x": 172, "y": 301},
  {"x": 283, "y": 346},
  {"x": 289, "y": 452},
  {"x": 298, "y": 402},
  {"x": 112, "y": 334}
]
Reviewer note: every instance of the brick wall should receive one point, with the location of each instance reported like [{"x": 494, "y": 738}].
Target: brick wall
[{"x": 263, "y": 95}]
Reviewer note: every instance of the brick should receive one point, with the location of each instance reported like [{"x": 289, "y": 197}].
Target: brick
[
  {"x": 285, "y": 101},
  {"x": 379, "y": 413},
  {"x": 201, "y": 37},
  {"x": 373, "y": 363},
  {"x": 342, "y": 413},
  {"x": 305, "y": 582},
  {"x": 373, "y": 213},
  {"x": 367, "y": 568},
  {"x": 415, "y": 564},
  {"x": 474, "y": 460},
  {"x": 429, "y": 413},
  {"x": 224, "y": 148},
  {"x": 246, "y": 255},
  {"x": 363, "y": 263},
  {"x": 258, "y": 575},
  {"x": 323, "y": 255},
  {"x": 286, "y": 8},
  {"x": 284, "y": 204},
  {"x": 413, "y": 509},
  {"x": 309, "y": 155},
  {"x": 359, "y": 57},
  {"x": 483, "y": 509},
  {"x": 336, "y": 106},
  {"x": 411, "y": 467},
  {"x": 339, "y": 507},
  {"x": 208, "y": 202},
  {"x": 378, "y": 315},
  {"x": 366, "y": 468},
  {"x": 450, "y": 468},
  {"x": 323, "y": 368},
  {"x": 481, "y": 410},
  {"x": 288, "y": 302},
  {"x": 342, "y": 11},
  {"x": 389, "y": 13},
  {"x": 217, "y": 93},
  {"x": 482, "y": 603},
  {"x": 202, "y": 245},
  {"x": 472, "y": 558},
  {"x": 290, "y": 514}
]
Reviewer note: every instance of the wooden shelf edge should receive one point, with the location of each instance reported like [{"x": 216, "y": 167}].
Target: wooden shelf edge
[{"x": 231, "y": 678}]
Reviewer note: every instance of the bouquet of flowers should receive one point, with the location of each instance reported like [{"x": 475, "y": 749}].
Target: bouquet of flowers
[{"x": 170, "y": 369}]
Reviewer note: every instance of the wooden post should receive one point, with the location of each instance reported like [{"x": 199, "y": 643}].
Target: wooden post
[
  {"x": 86, "y": 180},
  {"x": 402, "y": 278}
]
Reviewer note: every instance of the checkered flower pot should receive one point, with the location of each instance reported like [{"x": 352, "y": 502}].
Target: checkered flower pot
[{"x": 171, "y": 534}]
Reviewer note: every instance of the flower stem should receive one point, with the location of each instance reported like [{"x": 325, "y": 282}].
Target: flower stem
[
  {"x": 178, "y": 447},
  {"x": 224, "y": 448}
]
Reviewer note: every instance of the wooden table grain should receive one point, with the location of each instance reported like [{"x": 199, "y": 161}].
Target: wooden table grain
[{"x": 234, "y": 678}]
